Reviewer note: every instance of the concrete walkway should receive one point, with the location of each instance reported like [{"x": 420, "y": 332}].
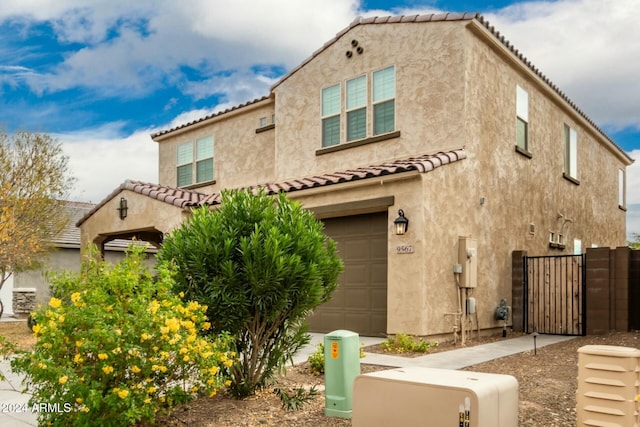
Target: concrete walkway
[
  {"x": 13, "y": 401},
  {"x": 453, "y": 359}
]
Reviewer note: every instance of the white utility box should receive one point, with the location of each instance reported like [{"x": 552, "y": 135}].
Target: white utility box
[{"x": 434, "y": 397}]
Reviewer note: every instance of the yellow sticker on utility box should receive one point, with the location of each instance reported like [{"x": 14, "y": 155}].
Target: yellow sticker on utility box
[{"x": 334, "y": 350}]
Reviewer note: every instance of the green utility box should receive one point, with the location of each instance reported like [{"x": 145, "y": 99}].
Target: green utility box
[{"x": 341, "y": 367}]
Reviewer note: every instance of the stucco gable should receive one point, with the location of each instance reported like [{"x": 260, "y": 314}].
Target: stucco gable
[
  {"x": 178, "y": 197},
  {"x": 375, "y": 20}
]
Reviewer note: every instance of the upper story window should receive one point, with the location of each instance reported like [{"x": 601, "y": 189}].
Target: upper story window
[
  {"x": 356, "y": 108},
  {"x": 384, "y": 93},
  {"x": 195, "y": 161},
  {"x": 522, "y": 118},
  {"x": 331, "y": 115},
  {"x": 570, "y": 152},
  {"x": 369, "y": 97},
  {"x": 266, "y": 121},
  {"x": 622, "y": 189}
]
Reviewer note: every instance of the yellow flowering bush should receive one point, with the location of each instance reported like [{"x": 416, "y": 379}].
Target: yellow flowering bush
[{"x": 118, "y": 346}]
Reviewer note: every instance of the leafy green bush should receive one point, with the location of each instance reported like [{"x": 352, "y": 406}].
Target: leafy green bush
[
  {"x": 260, "y": 264},
  {"x": 403, "y": 343},
  {"x": 115, "y": 346},
  {"x": 316, "y": 359}
]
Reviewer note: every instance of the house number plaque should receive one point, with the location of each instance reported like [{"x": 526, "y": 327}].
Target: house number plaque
[{"x": 404, "y": 249}]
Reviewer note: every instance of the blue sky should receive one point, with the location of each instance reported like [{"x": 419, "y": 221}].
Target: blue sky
[{"x": 101, "y": 75}]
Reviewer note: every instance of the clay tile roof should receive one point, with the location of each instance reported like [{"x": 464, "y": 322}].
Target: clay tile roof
[
  {"x": 187, "y": 198},
  {"x": 424, "y": 163},
  {"x": 219, "y": 113},
  {"x": 178, "y": 197}
]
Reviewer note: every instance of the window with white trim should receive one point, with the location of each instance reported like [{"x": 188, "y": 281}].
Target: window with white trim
[
  {"x": 384, "y": 93},
  {"x": 331, "y": 115},
  {"x": 522, "y": 118},
  {"x": 356, "y": 108},
  {"x": 367, "y": 98},
  {"x": 622, "y": 188},
  {"x": 570, "y": 152},
  {"x": 195, "y": 161}
]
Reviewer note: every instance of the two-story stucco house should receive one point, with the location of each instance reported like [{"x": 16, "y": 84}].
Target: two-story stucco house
[{"x": 437, "y": 116}]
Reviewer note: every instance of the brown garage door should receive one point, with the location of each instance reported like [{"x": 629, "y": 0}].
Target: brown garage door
[{"x": 359, "y": 303}]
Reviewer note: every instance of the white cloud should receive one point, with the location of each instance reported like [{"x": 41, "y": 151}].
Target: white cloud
[
  {"x": 589, "y": 48},
  {"x": 101, "y": 161},
  {"x": 154, "y": 39}
]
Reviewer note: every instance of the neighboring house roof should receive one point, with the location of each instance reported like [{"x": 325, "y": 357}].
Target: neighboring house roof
[
  {"x": 70, "y": 236},
  {"x": 434, "y": 17},
  {"x": 188, "y": 198}
]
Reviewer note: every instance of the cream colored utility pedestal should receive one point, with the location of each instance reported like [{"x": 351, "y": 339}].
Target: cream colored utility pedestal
[
  {"x": 608, "y": 381},
  {"x": 411, "y": 397}
]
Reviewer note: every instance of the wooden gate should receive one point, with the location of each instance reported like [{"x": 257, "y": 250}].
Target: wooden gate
[{"x": 554, "y": 294}]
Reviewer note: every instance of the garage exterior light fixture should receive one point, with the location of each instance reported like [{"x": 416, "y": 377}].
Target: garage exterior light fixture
[{"x": 401, "y": 223}]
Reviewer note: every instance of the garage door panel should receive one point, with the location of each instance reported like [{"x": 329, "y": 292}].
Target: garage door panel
[
  {"x": 359, "y": 304},
  {"x": 330, "y": 321},
  {"x": 379, "y": 248},
  {"x": 358, "y": 321},
  {"x": 379, "y": 301},
  {"x": 357, "y": 249},
  {"x": 337, "y": 300},
  {"x": 358, "y": 299},
  {"x": 355, "y": 274},
  {"x": 379, "y": 321},
  {"x": 379, "y": 276}
]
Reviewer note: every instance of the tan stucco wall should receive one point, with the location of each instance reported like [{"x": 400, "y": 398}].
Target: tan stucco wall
[
  {"x": 143, "y": 213},
  {"x": 242, "y": 157},
  {"x": 428, "y": 62}
]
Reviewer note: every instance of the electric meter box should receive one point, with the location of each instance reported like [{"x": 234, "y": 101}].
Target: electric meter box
[
  {"x": 341, "y": 367},
  {"x": 468, "y": 258},
  {"x": 434, "y": 397}
]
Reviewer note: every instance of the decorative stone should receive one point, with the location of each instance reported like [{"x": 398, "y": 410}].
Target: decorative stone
[{"x": 24, "y": 301}]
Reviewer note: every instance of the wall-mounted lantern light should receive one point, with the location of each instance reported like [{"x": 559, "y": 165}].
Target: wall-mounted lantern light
[
  {"x": 122, "y": 209},
  {"x": 402, "y": 223}
]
